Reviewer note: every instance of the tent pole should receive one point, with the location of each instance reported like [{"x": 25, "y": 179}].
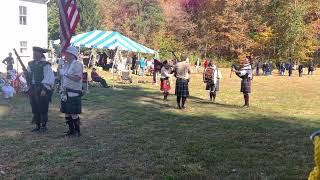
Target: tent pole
[{"x": 113, "y": 63}]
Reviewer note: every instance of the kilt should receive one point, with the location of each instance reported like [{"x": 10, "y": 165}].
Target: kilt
[
  {"x": 71, "y": 106},
  {"x": 165, "y": 85},
  {"x": 182, "y": 87},
  {"x": 213, "y": 87},
  {"x": 246, "y": 85}
]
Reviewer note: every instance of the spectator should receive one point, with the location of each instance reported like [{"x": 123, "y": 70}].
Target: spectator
[
  {"x": 300, "y": 68},
  {"x": 95, "y": 77},
  {"x": 8, "y": 61},
  {"x": 310, "y": 67},
  {"x": 7, "y": 91}
]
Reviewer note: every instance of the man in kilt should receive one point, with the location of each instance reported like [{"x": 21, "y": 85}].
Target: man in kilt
[
  {"x": 182, "y": 73},
  {"x": 245, "y": 73},
  {"x": 211, "y": 77},
  {"x": 165, "y": 82},
  {"x": 72, "y": 91},
  {"x": 40, "y": 79}
]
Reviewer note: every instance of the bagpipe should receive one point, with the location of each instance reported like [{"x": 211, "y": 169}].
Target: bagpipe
[
  {"x": 176, "y": 59},
  {"x": 234, "y": 67}
]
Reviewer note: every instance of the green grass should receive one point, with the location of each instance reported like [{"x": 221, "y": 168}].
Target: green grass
[{"x": 128, "y": 133}]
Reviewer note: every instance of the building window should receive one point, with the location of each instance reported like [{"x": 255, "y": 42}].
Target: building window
[
  {"x": 23, "y": 15},
  {"x": 23, "y": 47}
]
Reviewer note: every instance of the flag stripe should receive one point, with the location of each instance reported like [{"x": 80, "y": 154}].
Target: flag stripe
[{"x": 69, "y": 18}]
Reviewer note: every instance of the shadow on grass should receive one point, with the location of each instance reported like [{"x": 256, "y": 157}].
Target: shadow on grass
[{"x": 128, "y": 132}]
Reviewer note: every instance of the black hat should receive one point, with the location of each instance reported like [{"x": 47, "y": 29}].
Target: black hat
[{"x": 40, "y": 50}]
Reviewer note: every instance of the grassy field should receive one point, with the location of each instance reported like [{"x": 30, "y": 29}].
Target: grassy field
[{"x": 129, "y": 133}]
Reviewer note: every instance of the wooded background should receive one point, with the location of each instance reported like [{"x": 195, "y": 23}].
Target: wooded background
[{"x": 218, "y": 29}]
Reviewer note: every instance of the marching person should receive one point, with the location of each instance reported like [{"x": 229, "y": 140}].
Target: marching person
[
  {"x": 182, "y": 72},
  {"x": 165, "y": 82},
  {"x": 245, "y": 73},
  {"x": 71, "y": 91},
  {"x": 211, "y": 77},
  {"x": 40, "y": 79}
]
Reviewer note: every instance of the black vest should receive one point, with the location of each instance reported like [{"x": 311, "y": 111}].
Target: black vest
[{"x": 36, "y": 68}]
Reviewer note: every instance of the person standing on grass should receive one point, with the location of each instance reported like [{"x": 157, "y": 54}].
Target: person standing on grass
[
  {"x": 245, "y": 73},
  {"x": 290, "y": 68},
  {"x": 300, "y": 69},
  {"x": 282, "y": 68},
  {"x": 206, "y": 63},
  {"x": 133, "y": 63},
  {"x": 143, "y": 64},
  {"x": 8, "y": 61},
  {"x": 257, "y": 68},
  {"x": 198, "y": 65},
  {"x": 310, "y": 67},
  {"x": 40, "y": 79},
  {"x": 211, "y": 77},
  {"x": 165, "y": 82},
  {"x": 72, "y": 91},
  {"x": 182, "y": 73}
]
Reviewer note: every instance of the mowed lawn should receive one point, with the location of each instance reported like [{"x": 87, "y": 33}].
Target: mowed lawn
[{"x": 129, "y": 133}]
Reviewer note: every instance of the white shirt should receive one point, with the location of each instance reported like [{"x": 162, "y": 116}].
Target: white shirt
[
  {"x": 247, "y": 69},
  {"x": 75, "y": 69},
  {"x": 165, "y": 73},
  {"x": 217, "y": 75}
]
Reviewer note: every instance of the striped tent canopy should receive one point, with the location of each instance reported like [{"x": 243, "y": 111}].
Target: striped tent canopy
[{"x": 108, "y": 40}]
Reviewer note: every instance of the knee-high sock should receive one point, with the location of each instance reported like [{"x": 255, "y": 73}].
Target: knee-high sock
[
  {"x": 44, "y": 119},
  {"x": 184, "y": 101},
  {"x": 178, "y": 100},
  {"x": 214, "y": 95},
  {"x": 70, "y": 123},
  {"x": 77, "y": 124},
  {"x": 246, "y": 99}
]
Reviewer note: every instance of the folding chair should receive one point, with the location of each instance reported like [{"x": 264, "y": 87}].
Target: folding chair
[{"x": 125, "y": 76}]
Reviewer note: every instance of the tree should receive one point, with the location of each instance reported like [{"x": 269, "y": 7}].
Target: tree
[
  {"x": 294, "y": 37},
  {"x": 90, "y": 17},
  {"x": 53, "y": 21}
]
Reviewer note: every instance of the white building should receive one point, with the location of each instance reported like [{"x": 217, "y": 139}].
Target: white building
[{"x": 24, "y": 24}]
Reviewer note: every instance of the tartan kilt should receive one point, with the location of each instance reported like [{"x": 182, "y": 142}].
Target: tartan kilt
[
  {"x": 71, "y": 106},
  {"x": 182, "y": 88},
  {"x": 213, "y": 87},
  {"x": 245, "y": 85},
  {"x": 165, "y": 85}
]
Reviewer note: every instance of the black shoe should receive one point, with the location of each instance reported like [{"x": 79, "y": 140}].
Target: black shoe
[
  {"x": 77, "y": 134},
  {"x": 69, "y": 133},
  {"x": 43, "y": 129},
  {"x": 35, "y": 129}
]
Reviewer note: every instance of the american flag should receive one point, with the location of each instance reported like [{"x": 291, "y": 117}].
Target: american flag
[{"x": 69, "y": 18}]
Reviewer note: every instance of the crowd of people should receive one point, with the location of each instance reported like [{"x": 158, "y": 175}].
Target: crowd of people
[
  {"x": 284, "y": 67},
  {"x": 41, "y": 80}
]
